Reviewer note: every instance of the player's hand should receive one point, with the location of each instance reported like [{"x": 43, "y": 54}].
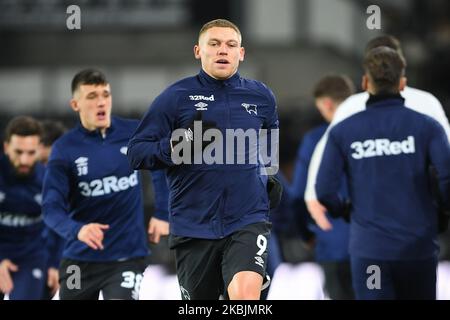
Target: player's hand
[
  {"x": 53, "y": 280},
  {"x": 318, "y": 213},
  {"x": 156, "y": 229},
  {"x": 189, "y": 135},
  {"x": 92, "y": 234},
  {"x": 274, "y": 191},
  {"x": 6, "y": 283}
]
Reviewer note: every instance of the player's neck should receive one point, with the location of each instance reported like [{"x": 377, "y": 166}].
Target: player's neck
[{"x": 91, "y": 128}]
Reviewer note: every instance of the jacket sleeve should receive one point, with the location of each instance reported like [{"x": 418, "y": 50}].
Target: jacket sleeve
[
  {"x": 56, "y": 196},
  {"x": 439, "y": 153},
  {"x": 161, "y": 195},
  {"x": 329, "y": 177},
  {"x": 149, "y": 146},
  {"x": 269, "y": 143}
]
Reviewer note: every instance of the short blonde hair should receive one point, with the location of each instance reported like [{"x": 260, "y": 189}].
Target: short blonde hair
[{"x": 220, "y": 23}]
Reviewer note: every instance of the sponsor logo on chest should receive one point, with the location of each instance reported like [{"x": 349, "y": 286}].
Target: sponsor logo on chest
[
  {"x": 200, "y": 97},
  {"x": 107, "y": 185}
]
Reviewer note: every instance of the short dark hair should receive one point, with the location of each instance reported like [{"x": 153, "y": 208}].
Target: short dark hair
[
  {"x": 88, "y": 76},
  {"x": 384, "y": 66},
  {"x": 220, "y": 23},
  {"x": 386, "y": 40},
  {"x": 337, "y": 87},
  {"x": 23, "y": 126},
  {"x": 52, "y": 130}
]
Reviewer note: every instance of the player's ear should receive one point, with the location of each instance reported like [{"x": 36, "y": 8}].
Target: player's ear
[
  {"x": 5, "y": 147},
  {"x": 402, "y": 84},
  {"x": 241, "y": 54},
  {"x": 365, "y": 83},
  {"x": 197, "y": 52},
  {"x": 74, "y": 105}
]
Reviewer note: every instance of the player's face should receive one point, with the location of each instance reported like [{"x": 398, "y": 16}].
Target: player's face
[
  {"x": 23, "y": 153},
  {"x": 93, "y": 103},
  {"x": 326, "y": 107},
  {"x": 220, "y": 52}
]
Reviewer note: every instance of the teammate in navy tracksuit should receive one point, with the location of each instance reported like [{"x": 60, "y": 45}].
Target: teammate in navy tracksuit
[
  {"x": 92, "y": 198},
  {"x": 330, "y": 246},
  {"x": 23, "y": 251},
  {"x": 218, "y": 212},
  {"x": 386, "y": 151}
]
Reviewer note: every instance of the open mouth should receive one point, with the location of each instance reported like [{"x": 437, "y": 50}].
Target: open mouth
[
  {"x": 23, "y": 169},
  {"x": 222, "y": 61},
  {"x": 101, "y": 115}
]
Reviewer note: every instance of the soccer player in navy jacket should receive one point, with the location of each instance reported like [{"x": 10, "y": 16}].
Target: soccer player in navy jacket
[
  {"x": 218, "y": 212},
  {"x": 385, "y": 152},
  {"x": 92, "y": 198},
  {"x": 23, "y": 250}
]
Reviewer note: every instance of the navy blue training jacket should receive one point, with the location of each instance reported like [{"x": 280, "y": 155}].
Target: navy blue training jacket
[
  {"x": 207, "y": 201},
  {"x": 89, "y": 179},
  {"x": 386, "y": 152},
  {"x": 21, "y": 224}
]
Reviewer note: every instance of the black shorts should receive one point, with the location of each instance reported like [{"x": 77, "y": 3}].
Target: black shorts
[
  {"x": 80, "y": 280},
  {"x": 206, "y": 267}
]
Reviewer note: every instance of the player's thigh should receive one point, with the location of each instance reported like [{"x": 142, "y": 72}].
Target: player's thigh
[
  {"x": 124, "y": 280},
  {"x": 198, "y": 263},
  {"x": 79, "y": 280},
  {"x": 372, "y": 279},
  {"x": 338, "y": 279},
  {"x": 247, "y": 250},
  {"x": 416, "y": 279},
  {"x": 29, "y": 281}
]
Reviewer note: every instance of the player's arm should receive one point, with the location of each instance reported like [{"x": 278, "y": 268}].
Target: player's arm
[
  {"x": 149, "y": 146},
  {"x": 315, "y": 208},
  {"x": 159, "y": 225},
  {"x": 268, "y": 150},
  {"x": 55, "y": 205},
  {"x": 269, "y": 143},
  {"x": 439, "y": 153},
  {"x": 329, "y": 181}
]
